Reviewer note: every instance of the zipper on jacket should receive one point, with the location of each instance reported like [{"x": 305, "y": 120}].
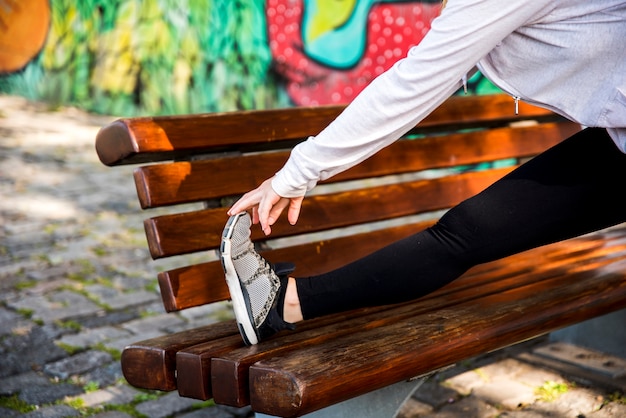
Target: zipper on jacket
[{"x": 516, "y": 98}]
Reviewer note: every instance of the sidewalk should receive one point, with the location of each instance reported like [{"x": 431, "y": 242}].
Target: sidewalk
[{"x": 77, "y": 284}]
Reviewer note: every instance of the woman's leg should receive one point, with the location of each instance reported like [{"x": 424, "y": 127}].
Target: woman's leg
[{"x": 569, "y": 190}]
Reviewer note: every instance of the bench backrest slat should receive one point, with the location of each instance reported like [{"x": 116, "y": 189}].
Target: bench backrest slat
[
  {"x": 149, "y": 139},
  {"x": 202, "y": 229},
  {"x": 182, "y": 182}
]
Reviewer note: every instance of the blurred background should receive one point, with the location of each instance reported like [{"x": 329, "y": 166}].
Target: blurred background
[{"x": 152, "y": 57}]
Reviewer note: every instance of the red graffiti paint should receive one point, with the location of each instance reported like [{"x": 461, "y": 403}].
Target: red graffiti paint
[{"x": 389, "y": 29}]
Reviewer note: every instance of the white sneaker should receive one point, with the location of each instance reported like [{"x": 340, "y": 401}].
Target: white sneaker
[{"x": 253, "y": 283}]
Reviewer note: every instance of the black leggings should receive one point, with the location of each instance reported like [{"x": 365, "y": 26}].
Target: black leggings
[{"x": 571, "y": 189}]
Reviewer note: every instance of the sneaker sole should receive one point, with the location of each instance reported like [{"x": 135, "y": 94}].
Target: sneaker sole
[{"x": 237, "y": 294}]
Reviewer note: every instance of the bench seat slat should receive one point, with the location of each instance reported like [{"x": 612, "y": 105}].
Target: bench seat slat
[
  {"x": 151, "y": 364},
  {"x": 283, "y": 387},
  {"x": 183, "y": 182},
  {"x": 203, "y": 229},
  {"x": 149, "y": 139}
]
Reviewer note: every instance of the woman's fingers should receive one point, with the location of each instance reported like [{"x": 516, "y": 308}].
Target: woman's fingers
[
  {"x": 293, "y": 213},
  {"x": 267, "y": 206}
]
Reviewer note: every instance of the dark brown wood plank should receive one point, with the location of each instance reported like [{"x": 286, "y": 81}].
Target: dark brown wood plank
[
  {"x": 183, "y": 182},
  {"x": 203, "y": 229},
  {"x": 191, "y": 361},
  {"x": 230, "y": 371},
  {"x": 151, "y": 364},
  {"x": 131, "y": 141},
  {"x": 350, "y": 366}
]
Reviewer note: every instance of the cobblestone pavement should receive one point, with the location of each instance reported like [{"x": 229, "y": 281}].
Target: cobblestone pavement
[{"x": 77, "y": 284}]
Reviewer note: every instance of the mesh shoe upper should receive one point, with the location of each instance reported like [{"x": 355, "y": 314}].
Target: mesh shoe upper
[{"x": 259, "y": 282}]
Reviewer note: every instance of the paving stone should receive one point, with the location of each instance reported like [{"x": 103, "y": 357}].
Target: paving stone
[
  {"x": 157, "y": 322},
  {"x": 466, "y": 407},
  {"x": 57, "y": 306},
  {"x": 55, "y": 411},
  {"x": 9, "y": 413},
  {"x": 104, "y": 318},
  {"x": 91, "y": 337},
  {"x": 135, "y": 281},
  {"x": 22, "y": 353},
  {"x": 613, "y": 410},
  {"x": 521, "y": 371},
  {"x": 17, "y": 267},
  {"x": 44, "y": 288},
  {"x": 505, "y": 392},
  {"x": 11, "y": 321},
  {"x": 104, "y": 376},
  {"x": 204, "y": 311},
  {"x": 46, "y": 394},
  {"x": 165, "y": 406},
  {"x": 112, "y": 414},
  {"x": 121, "y": 343},
  {"x": 413, "y": 408},
  {"x": 24, "y": 227},
  {"x": 522, "y": 414},
  {"x": 16, "y": 383},
  {"x": 77, "y": 364},
  {"x": 29, "y": 239},
  {"x": 113, "y": 395},
  {"x": 465, "y": 382},
  {"x": 116, "y": 299},
  {"x": 579, "y": 401},
  {"x": 52, "y": 272}
]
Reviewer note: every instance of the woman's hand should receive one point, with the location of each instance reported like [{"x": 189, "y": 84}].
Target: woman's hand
[{"x": 267, "y": 206}]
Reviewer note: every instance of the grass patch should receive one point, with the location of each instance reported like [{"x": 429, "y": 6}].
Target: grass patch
[
  {"x": 116, "y": 354},
  {"x": 69, "y": 324},
  {"x": 27, "y": 313},
  {"x": 617, "y": 397},
  {"x": 91, "y": 386},
  {"x": 16, "y": 404},
  {"x": 69, "y": 349},
  {"x": 550, "y": 391},
  {"x": 25, "y": 284}
]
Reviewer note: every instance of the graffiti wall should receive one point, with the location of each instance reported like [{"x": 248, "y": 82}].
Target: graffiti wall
[{"x": 135, "y": 57}]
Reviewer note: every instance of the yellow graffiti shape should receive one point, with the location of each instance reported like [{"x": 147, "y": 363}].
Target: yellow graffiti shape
[{"x": 328, "y": 15}]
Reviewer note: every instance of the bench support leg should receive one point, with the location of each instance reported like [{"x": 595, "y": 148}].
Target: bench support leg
[
  {"x": 381, "y": 403},
  {"x": 606, "y": 334}
]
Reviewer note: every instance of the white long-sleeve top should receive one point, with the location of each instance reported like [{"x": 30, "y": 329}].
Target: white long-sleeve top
[{"x": 565, "y": 55}]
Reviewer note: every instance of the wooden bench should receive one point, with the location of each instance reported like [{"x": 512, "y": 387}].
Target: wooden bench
[{"x": 465, "y": 145}]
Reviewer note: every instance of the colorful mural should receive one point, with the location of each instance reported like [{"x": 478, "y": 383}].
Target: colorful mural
[
  {"x": 137, "y": 57},
  {"x": 328, "y": 51}
]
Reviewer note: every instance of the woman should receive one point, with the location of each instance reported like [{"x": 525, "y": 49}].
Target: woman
[{"x": 566, "y": 55}]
